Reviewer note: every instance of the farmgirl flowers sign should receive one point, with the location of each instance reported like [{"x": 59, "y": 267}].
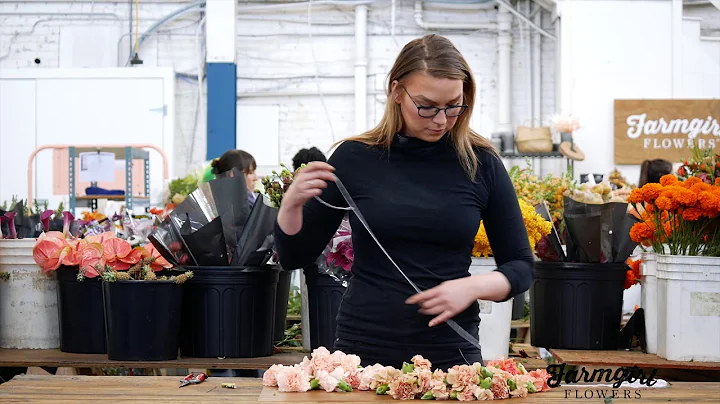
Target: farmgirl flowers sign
[{"x": 668, "y": 129}]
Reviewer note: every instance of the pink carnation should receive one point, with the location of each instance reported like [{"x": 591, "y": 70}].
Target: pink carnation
[
  {"x": 306, "y": 366},
  {"x": 461, "y": 376},
  {"x": 540, "y": 378},
  {"x": 329, "y": 381},
  {"x": 483, "y": 394},
  {"x": 349, "y": 362},
  {"x": 352, "y": 377},
  {"x": 270, "y": 376},
  {"x": 404, "y": 387},
  {"x": 292, "y": 379},
  {"x": 421, "y": 362},
  {"x": 321, "y": 360}
]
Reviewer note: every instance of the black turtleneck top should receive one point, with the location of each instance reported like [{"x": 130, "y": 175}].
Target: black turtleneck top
[{"x": 425, "y": 211}]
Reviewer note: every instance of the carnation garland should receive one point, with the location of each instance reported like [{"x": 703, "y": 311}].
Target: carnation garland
[{"x": 340, "y": 372}]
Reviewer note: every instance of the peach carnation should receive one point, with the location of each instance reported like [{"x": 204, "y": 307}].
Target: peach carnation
[
  {"x": 424, "y": 378},
  {"x": 467, "y": 394},
  {"x": 499, "y": 386},
  {"x": 404, "y": 387},
  {"x": 421, "y": 362},
  {"x": 353, "y": 377},
  {"x": 507, "y": 365},
  {"x": 386, "y": 375},
  {"x": 461, "y": 376},
  {"x": 292, "y": 379},
  {"x": 439, "y": 389},
  {"x": 540, "y": 378},
  {"x": 368, "y": 377},
  {"x": 483, "y": 394}
]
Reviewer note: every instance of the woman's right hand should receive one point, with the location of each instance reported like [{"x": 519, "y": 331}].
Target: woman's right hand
[{"x": 309, "y": 182}]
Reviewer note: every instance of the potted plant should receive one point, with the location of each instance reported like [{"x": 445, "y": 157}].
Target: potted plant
[
  {"x": 143, "y": 310},
  {"x": 680, "y": 223}
]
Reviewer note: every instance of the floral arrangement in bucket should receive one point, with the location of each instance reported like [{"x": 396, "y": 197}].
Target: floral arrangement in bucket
[
  {"x": 536, "y": 226},
  {"x": 340, "y": 372},
  {"x": 704, "y": 164},
  {"x": 534, "y": 189},
  {"x": 54, "y": 249},
  {"x": 678, "y": 217}
]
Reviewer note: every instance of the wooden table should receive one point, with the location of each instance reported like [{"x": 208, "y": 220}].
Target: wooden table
[
  {"x": 64, "y": 389},
  {"x": 670, "y": 370},
  {"x": 56, "y": 358},
  {"x": 626, "y": 358}
]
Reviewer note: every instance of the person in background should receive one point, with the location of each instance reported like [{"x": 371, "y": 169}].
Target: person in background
[
  {"x": 304, "y": 156},
  {"x": 652, "y": 170},
  {"x": 244, "y": 162}
]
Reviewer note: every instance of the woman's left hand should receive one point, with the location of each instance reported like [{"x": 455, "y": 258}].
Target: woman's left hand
[{"x": 446, "y": 300}]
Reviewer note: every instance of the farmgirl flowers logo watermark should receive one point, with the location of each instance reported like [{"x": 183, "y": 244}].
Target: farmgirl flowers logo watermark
[
  {"x": 639, "y": 125},
  {"x": 615, "y": 379}
]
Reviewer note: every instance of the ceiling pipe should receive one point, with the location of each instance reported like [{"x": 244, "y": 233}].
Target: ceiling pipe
[
  {"x": 447, "y": 26},
  {"x": 361, "y": 63},
  {"x": 526, "y": 20}
]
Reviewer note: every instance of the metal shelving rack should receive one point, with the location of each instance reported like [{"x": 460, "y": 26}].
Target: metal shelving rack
[
  {"x": 533, "y": 156},
  {"x": 128, "y": 154}
]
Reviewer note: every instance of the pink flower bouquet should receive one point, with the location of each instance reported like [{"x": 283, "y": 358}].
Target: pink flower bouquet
[
  {"x": 339, "y": 372},
  {"x": 338, "y": 257}
]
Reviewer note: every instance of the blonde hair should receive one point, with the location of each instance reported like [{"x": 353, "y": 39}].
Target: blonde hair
[{"x": 438, "y": 57}]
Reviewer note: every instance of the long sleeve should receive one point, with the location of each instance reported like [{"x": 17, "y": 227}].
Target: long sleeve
[
  {"x": 506, "y": 230},
  {"x": 319, "y": 221}
]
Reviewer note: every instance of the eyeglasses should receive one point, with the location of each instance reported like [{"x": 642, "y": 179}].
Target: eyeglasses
[{"x": 430, "y": 112}]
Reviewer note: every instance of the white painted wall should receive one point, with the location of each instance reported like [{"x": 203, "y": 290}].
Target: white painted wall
[
  {"x": 279, "y": 55},
  {"x": 648, "y": 51}
]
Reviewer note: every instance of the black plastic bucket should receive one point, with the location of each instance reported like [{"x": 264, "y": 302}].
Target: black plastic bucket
[
  {"x": 80, "y": 312},
  {"x": 576, "y": 305},
  {"x": 324, "y": 297},
  {"x": 143, "y": 320},
  {"x": 229, "y": 312},
  {"x": 281, "y": 305}
]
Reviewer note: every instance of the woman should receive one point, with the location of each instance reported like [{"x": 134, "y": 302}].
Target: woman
[
  {"x": 423, "y": 180},
  {"x": 652, "y": 170},
  {"x": 244, "y": 162}
]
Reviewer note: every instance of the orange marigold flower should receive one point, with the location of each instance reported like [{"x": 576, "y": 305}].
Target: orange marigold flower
[
  {"x": 692, "y": 214},
  {"x": 708, "y": 200},
  {"x": 685, "y": 197},
  {"x": 636, "y": 196},
  {"x": 668, "y": 179},
  {"x": 629, "y": 279},
  {"x": 664, "y": 203},
  {"x": 651, "y": 191},
  {"x": 717, "y": 181},
  {"x": 691, "y": 181}
]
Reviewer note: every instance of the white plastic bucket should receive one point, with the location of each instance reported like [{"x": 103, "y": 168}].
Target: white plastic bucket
[
  {"x": 495, "y": 318},
  {"x": 648, "y": 300},
  {"x": 688, "y": 296},
  {"x": 28, "y": 300}
]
